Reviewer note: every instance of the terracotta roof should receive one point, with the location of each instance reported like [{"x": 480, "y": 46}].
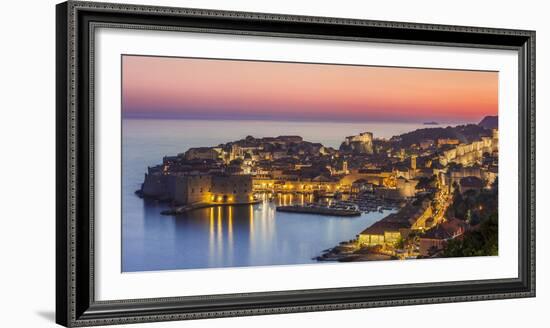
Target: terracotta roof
[
  {"x": 395, "y": 221},
  {"x": 446, "y": 230},
  {"x": 322, "y": 178},
  {"x": 382, "y": 226}
]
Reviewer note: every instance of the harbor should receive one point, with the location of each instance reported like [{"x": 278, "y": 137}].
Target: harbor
[
  {"x": 233, "y": 235},
  {"x": 283, "y": 200}
]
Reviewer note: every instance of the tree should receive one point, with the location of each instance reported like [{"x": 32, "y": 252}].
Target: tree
[
  {"x": 480, "y": 242},
  {"x": 400, "y": 243}
]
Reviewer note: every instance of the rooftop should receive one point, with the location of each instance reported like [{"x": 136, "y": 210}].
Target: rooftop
[
  {"x": 446, "y": 230},
  {"x": 396, "y": 221}
]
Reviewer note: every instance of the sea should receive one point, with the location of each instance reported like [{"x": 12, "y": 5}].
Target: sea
[{"x": 233, "y": 236}]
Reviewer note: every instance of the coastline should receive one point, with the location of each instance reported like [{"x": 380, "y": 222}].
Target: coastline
[
  {"x": 364, "y": 175},
  {"x": 350, "y": 251}
]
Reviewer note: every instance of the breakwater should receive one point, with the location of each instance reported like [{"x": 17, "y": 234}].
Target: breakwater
[{"x": 318, "y": 210}]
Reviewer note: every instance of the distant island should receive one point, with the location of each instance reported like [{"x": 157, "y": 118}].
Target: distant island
[{"x": 431, "y": 123}]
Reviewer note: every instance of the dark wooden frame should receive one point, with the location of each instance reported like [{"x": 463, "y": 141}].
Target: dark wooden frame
[{"x": 75, "y": 302}]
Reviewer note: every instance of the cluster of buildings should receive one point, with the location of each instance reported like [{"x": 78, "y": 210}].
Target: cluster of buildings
[
  {"x": 396, "y": 226},
  {"x": 449, "y": 166},
  {"x": 232, "y": 173},
  {"x": 237, "y": 171}
]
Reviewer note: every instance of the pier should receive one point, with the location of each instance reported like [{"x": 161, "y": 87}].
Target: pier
[
  {"x": 186, "y": 208},
  {"x": 319, "y": 210}
]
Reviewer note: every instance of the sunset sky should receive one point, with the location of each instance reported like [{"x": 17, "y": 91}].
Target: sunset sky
[{"x": 165, "y": 87}]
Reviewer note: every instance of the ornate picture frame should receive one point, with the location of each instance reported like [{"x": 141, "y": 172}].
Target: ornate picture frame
[{"x": 77, "y": 22}]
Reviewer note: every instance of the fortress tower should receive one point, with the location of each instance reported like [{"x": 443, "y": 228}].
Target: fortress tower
[{"x": 360, "y": 144}]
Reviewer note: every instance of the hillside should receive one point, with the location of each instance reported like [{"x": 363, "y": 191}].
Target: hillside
[
  {"x": 489, "y": 122},
  {"x": 464, "y": 133}
]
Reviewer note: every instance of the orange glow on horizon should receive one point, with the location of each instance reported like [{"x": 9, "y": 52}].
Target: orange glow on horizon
[{"x": 209, "y": 88}]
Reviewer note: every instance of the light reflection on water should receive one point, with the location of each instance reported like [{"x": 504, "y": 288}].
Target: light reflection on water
[{"x": 226, "y": 236}]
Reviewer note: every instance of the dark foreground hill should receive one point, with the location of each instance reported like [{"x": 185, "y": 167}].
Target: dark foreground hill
[
  {"x": 464, "y": 133},
  {"x": 489, "y": 122}
]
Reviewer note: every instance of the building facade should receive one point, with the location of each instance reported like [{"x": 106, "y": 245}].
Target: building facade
[{"x": 182, "y": 189}]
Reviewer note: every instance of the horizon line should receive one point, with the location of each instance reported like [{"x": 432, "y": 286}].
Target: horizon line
[{"x": 179, "y": 118}]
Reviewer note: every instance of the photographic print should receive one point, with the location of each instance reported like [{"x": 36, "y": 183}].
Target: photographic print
[{"x": 237, "y": 163}]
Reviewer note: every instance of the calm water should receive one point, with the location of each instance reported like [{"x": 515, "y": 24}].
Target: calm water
[{"x": 226, "y": 236}]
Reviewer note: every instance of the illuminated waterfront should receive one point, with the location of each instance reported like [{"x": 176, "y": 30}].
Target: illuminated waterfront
[
  {"x": 221, "y": 236},
  {"x": 233, "y": 204}
]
